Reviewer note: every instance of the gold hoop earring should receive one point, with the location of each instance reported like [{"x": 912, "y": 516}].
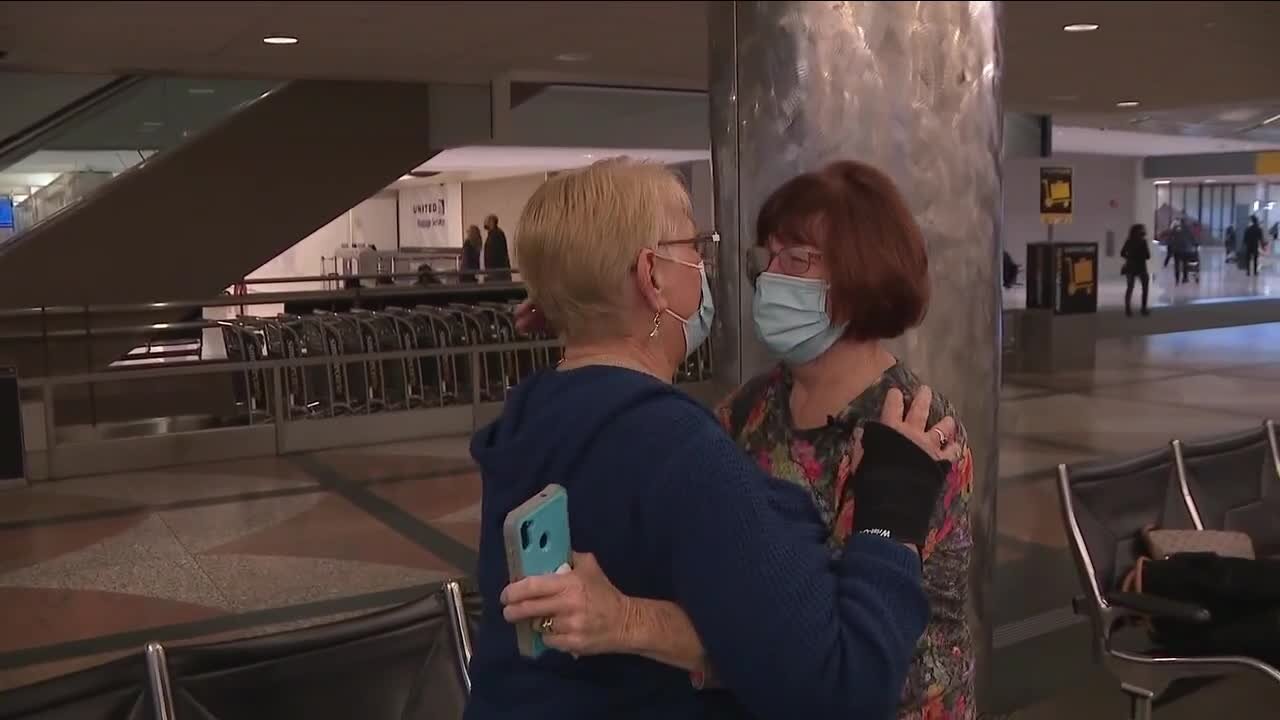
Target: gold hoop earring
[{"x": 657, "y": 323}]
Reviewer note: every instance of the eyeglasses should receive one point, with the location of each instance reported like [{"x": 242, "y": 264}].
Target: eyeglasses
[
  {"x": 791, "y": 260},
  {"x": 705, "y": 243}
]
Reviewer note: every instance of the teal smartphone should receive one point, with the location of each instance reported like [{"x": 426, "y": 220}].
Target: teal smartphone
[{"x": 537, "y": 542}]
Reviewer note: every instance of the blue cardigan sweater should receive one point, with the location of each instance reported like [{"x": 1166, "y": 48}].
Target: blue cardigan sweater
[{"x": 673, "y": 510}]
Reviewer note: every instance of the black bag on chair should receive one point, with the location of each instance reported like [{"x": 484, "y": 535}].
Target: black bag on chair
[{"x": 1241, "y": 595}]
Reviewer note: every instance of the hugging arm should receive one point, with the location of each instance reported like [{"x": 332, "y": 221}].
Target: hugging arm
[{"x": 788, "y": 631}]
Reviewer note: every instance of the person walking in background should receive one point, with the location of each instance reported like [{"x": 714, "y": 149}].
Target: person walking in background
[
  {"x": 1229, "y": 243},
  {"x": 1136, "y": 253},
  {"x": 471, "y": 245},
  {"x": 495, "y": 251},
  {"x": 1183, "y": 248},
  {"x": 1252, "y": 245}
]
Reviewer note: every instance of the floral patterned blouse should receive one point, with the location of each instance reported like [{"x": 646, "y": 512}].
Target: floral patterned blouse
[{"x": 940, "y": 684}]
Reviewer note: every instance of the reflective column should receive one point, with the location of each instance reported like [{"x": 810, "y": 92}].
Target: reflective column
[{"x": 912, "y": 88}]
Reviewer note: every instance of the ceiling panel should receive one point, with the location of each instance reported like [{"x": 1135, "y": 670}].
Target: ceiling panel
[{"x": 1170, "y": 56}]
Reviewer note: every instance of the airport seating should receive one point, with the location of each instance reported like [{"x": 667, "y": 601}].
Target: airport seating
[
  {"x": 1233, "y": 483},
  {"x": 118, "y": 690},
  {"x": 403, "y": 663},
  {"x": 1105, "y": 507}
]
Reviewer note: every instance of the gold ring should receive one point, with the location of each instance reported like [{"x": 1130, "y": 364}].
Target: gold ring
[{"x": 547, "y": 626}]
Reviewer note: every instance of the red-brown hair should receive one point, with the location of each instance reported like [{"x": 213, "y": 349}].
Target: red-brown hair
[{"x": 873, "y": 249}]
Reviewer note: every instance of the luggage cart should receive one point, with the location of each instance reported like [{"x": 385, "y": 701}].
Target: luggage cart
[
  {"x": 336, "y": 337},
  {"x": 377, "y": 334},
  {"x": 474, "y": 332},
  {"x": 407, "y": 333},
  {"x": 282, "y": 342},
  {"x": 502, "y": 327},
  {"x": 445, "y": 330},
  {"x": 244, "y": 343}
]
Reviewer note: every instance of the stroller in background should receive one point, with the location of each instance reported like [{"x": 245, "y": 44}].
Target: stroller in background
[{"x": 1192, "y": 265}]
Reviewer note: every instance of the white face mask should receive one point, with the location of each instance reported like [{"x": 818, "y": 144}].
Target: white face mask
[{"x": 697, "y": 327}]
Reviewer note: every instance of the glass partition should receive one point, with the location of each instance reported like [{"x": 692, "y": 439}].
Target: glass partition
[
  {"x": 60, "y": 156},
  {"x": 1209, "y": 208}
]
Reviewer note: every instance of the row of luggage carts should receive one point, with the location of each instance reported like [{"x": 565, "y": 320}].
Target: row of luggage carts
[{"x": 348, "y": 382}]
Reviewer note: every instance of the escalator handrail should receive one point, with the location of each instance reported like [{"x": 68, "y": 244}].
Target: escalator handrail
[
  {"x": 266, "y": 298},
  {"x": 28, "y": 139}
]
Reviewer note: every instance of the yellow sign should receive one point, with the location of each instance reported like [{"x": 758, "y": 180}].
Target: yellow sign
[
  {"x": 1267, "y": 163},
  {"x": 1056, "y": 197}
]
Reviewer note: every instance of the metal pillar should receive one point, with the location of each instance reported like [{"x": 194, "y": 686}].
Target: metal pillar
[{"x": 912, "y": 88}]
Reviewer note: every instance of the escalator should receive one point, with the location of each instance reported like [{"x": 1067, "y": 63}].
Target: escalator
[{"x": 201, "y": 200}]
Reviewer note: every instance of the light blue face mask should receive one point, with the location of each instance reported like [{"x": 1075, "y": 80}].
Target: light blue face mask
[
  {"x": 697, "y": 327},
  {"x": 791, "y": 317}
]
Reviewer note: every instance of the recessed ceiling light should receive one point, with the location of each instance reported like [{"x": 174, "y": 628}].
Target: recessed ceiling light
[
  {"x": 1161, "y": 182},
  {"x": 280, "y": 40},
  {"x": 1211, "y": 180},
  {"x": 573, "y": 57},
  {"x": 1128, "y": 103},
  {"x": 1081, "y": 27}
]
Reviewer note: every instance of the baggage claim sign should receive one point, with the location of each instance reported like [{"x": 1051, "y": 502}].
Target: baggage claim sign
[
  {"x": 1055, "y": 195},
  {"x": 423, "y": 221}
]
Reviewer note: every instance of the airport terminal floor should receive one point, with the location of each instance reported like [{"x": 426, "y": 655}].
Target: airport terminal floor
[
  {"x": 92, "y": 567},
  {"x": 1218, "y": 280}
]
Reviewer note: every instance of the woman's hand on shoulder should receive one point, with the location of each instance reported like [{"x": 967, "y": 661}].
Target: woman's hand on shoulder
[
  {"x": 938, "y": 441},
  {"x": 589, "y": 616}
]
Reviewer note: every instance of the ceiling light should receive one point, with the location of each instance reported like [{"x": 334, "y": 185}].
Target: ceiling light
[
  {"x": 588, "y": 156},
  {"x": 573, "y": 57},
  {"x": 1210, "y": 180},
  {"x": 1080, "y": 27},
  {"x": 1271, "y": 119},
  {"x": 280, "y": 40},
  {"x": 1128, "y": 103},
  {"x": 1161, "y": 182}
]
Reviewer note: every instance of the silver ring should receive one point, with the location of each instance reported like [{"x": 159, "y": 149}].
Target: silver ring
[{"x": 942, "y": 438}]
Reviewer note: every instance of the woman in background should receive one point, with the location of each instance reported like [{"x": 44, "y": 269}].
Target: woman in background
[
  {"x": 839, "y": 267},
  {"x": 1136, "y": 253},
  {"x": 471, "y": 245}
]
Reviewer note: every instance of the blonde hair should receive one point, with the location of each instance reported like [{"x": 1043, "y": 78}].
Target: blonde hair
[{"x": 580, "y": 233}]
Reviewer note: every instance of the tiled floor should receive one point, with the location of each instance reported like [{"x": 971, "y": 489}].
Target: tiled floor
[{"x": 93, "y": 567}]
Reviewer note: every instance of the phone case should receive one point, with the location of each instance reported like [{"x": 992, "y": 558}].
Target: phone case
[{"x": 537, "y": 543}]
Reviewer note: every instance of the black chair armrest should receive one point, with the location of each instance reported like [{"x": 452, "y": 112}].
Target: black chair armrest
[{"x": 1158, "y": 607}]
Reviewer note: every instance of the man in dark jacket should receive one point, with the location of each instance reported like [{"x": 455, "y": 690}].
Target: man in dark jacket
[
  {"x": 1183, "y": 247},
  {"x": 495, "y": 251},
  {"x": 1252, "y": 245}
]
